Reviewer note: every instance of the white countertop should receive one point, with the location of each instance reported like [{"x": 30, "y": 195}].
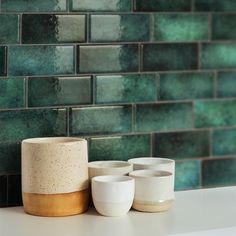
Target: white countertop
[{"x": 196, "y": 212}]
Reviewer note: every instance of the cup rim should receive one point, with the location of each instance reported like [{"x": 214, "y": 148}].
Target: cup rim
[
  {"x": 153, "y": 174},
  {"x": 114, "y": 179},
  {"x": 141, "y": 161},
  {"x": 97, "y": 164},
  {"x": 53, "y": 140}
]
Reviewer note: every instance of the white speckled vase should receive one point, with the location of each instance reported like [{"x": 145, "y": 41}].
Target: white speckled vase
[{"x": 55, "y": 176}]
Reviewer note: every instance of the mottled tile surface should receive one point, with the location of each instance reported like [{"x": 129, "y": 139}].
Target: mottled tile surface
[
  {"x": 226, "y": 84},
  {"x": 3, "y": 55},
  {"x": 215, "y": 5}
]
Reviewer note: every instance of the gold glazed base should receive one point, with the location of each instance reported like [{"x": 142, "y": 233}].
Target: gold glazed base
[{"x": 64, "y": 204}]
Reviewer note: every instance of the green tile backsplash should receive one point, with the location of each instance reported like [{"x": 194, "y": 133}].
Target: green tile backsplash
[{"x": 134, "y": 77}]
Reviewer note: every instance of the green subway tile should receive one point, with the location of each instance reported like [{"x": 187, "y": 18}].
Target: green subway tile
[
  {"x": 180, "y": 27},
  {"x": 126, "y": 88},
  {"x": 59, "y": 91},
  {"x": 41, "y": 60},
  {"x": 163, "y": 5},
  {"x": 53, "y": 28},
  {"x": 218, "y": 172},
  {"x": 164, "y": 117},
  {"x": 33, "y": 5},
  {"x": 181, "y": 145},
  {"x": 3, "y": 191},
  {"x": 9, "y": 29},
  {"x": 215, "y": 5},
  {"x": 226, "y": 84},
  {"x": 215, "y": 113},
  {"x": 161, "y": 57},
  {"x": 119, "y": 147},
  {"x": 10, "y": 157},
  {"x": 101, "y": 120},
  {"x": 108, "y": 58},
  {"x": 222, "y": 27},
  {"x": 21, "y": 124},
  {"x": 3, "y": 56},
  {"x": 14, "y": 190},
  {"x": 218, "y": 55},
  {"x": 175, "y": 86},
  {"x": 187, "y": 175},
  {"x": 102, "y": 5},
  {"x": 123, "y": 27},
  {"x": 11, "y": 92},
  {"x": 223, "y": 142}
]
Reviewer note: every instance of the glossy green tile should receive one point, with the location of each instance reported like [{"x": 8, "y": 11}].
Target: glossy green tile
[
  {"x": 108, "y": 58},
  {"x": 218, "y": 55},
  {"x": 41, "y": 60},
  {"x": 177, "y": 86},
  {"x": 101, "y": 120},
  {"x": 181, "y": 27},
  {"x": 223, "y": 142},
  {"x": 3, "y": 191},
  {"x": 181, "y": 145},
  {"x": 14, "y": 190},
  {"x": 163, "y": 117},
  {"x": 126, "y": 88},
  {"x": 215, "y": 113},
  {"x": 222, "y": 27},
  {"x": 21, "y": 124},
  {"x": 122, "y": 27},
  {"x": 12, "y": 92},
  {"x": 187, "y": 175},
  {"x": 215, "y": 5},
  {"x": 163, "y": 5},
  {"x": 43, "y": 28},
  {"x": 119, "y": 147},
  {"x": 218, "y": 172},
  {"x": 102, "y": 5},
  {"x": 164, "y": 57},
  {"x": 226, "y": 84},
  {"x": 33, "y": 5},
  {"x": 3, "y": 60},
  {"x": 59, "y": 91},
  {"x": 9, "y": 29}
]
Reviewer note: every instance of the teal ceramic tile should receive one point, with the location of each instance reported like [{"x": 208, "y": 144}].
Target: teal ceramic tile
[
  {"x": 180, "y": 27},
  {"x": 3, "y": 191},
  {"x": 215, "y": 5},
  {"x": 187, "y": 175},
  {"x": 9, "y": 29},
  {"x": 14, "y": 190},
  {"x": 101, "y": 120},
  {"x": 43, "y": 28},
  {"x": 223, "y": 142},
  {"x": 33, "y": 5},
  {"x": 163, "y": 5},
  {"x": 218, "y": 56},
  {"x": 12, "y": 92},
  {"x": 119, "y": 147},
  {"x": 122, "y": 27},
  {"x": 181, "y": 145},
  {"x": 108, "y": 58},
  {"x": 102, "y": 5},
  {"x": 226, "y": 84},
  {"x": 177, "y": 86},
  {"x": 164, "y": 57},
  {"x": 10, "y": 157},
  {"x": 21, "y": 124},
  {"x": 218, "y": 172},
  {"x": 3, "y": 58},
  {"x": 126, "y": 88},
  {"x": 215, "y": 113},
  {"x": 163, "y": 117},
  {"x": 59, "y": 91},
  {"x": 41, "y": 60},
  {"x": 222, "y": 27}
]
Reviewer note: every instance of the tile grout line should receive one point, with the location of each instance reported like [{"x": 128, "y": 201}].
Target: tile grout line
[{"x": 210, "y": 27}]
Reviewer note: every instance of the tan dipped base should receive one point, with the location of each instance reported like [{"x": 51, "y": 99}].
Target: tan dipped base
[{"x": 64, "y": 204}]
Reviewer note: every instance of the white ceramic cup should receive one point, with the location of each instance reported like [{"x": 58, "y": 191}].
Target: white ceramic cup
[
  {"x": 154, "y": 191},
  {"x": 97, "y": 168},
  {"x": 112, "y": 195}
]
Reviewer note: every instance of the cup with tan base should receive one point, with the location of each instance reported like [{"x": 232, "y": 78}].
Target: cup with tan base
[
  {"x": 154, "y": 191},
  {"x": 55, "y": 176}
]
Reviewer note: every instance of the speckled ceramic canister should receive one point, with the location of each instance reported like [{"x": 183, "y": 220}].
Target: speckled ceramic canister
[{"x": 55, "y": 176}]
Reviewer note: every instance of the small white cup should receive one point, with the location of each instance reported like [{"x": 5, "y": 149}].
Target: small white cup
[
  {"x": 112, "y": 195},
  {"x": 154, "y": 191}
]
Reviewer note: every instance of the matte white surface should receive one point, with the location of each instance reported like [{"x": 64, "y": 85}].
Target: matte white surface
[{"x": 197, "y": 212}]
